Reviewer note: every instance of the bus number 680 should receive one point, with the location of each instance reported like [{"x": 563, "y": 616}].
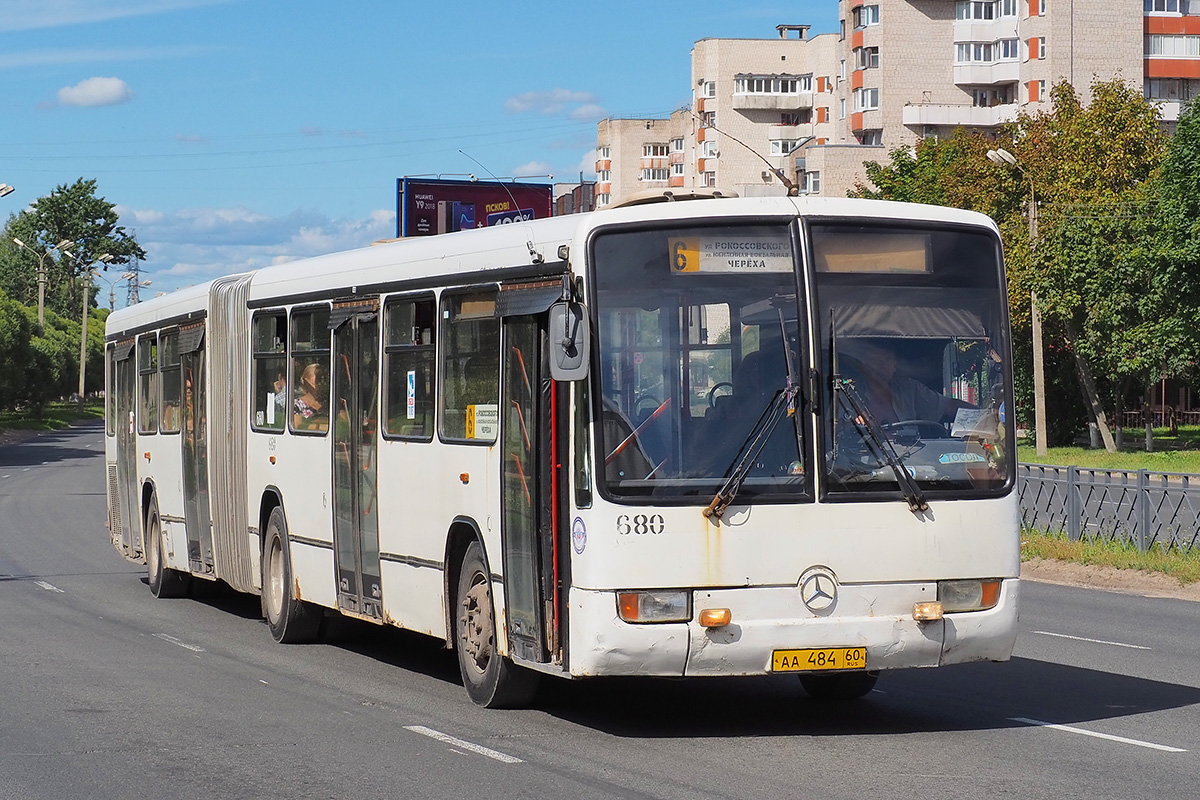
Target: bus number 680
[{"x": 640, "y": 524}]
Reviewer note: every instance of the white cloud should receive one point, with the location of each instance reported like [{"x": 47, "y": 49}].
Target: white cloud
[
  {"x": 95, "y": 92},
  {"x": 194, "y": 245},
  {"x": 587, "y": 165},
  {"x": 553, "y": 102},
  {"x": 25, "y": 15},
  {"x": 56, "y": 57},
  {"x": 588, "y": 112},
  {"x": 531, "y": 168}
]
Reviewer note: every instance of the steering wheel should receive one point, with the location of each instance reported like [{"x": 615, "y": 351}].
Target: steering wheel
[
  {"x": 712, "y": 393},
  {"x": 926, "y": 428}
]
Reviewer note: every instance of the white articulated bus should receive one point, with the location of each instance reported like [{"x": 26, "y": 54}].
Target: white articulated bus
[{"x": 706, "y": 438}]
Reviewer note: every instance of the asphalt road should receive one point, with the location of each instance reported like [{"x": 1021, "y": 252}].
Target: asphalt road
[{"x": 106, "y": 692}]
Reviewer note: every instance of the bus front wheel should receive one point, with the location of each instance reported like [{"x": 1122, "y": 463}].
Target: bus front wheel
[
  {"x": 491, "y": 680},
  {"x": 164, "y": 582},
  {"x": 290, "y": 619},
  {"x": 839, "y": 685}
]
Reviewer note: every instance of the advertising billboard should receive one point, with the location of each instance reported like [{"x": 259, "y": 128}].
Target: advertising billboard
[{"x": 425, "y": 206}]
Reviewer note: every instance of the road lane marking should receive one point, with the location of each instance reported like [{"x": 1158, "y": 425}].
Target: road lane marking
[
  {"x": 474, "y": 748},
  {"x": 1093, "y": 641},
  {"x": 173, "y": 640},
  {"x": 1108, "y": 736},
  {"x": 49, "y": 587}
]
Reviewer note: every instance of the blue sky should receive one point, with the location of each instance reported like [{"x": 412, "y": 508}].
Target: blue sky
[{"x": 234, "y": 134}]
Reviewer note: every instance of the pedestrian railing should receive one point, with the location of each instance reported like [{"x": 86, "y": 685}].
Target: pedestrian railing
[{"x": 1147, "y": 509}]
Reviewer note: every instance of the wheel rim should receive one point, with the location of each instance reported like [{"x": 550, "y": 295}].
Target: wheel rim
[
  {"x": 475, "y": 624},
  {"x": 275, "y": 581}
]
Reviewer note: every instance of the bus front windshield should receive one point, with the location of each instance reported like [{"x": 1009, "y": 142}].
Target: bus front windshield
[
  {"x": 911, "y": 324},
  {"x": 697, "y": 329}
]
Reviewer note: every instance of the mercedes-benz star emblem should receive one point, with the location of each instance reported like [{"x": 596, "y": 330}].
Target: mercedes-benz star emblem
[{"x": 818, "y": 589}]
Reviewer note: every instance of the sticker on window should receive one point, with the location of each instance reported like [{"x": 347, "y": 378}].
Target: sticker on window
[
  {"x": 483, "y": 421},
  {"x": 730, "y": 254}
]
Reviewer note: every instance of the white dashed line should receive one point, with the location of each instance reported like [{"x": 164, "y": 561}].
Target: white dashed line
[
  {"x": 1094, "y": 734},
  {"x": 49, "y": 587},
  {"x": 173, "y": 640},
  {"x": 1093, "y": 641},
  {"x": 474, "y": 748}
]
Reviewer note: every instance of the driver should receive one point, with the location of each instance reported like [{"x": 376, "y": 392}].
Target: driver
[{"x": 892, "y": 396}]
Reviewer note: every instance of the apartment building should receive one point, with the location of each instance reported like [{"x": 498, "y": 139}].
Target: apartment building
[{"x": 895, "y": 71}]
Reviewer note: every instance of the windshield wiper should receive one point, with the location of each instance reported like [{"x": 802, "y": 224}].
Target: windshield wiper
[
  {"x": 864, "y": 421},
  {"x": 781, "y": 406}
]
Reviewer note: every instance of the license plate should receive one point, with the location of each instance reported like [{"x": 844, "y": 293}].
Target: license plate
[{"x": 823, "y": 658}]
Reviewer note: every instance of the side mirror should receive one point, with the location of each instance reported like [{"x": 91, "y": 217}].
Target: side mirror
[{"x": 570, "y": 341}]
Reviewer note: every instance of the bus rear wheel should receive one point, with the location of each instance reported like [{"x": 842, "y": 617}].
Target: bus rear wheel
[
  {"x": 164, "y": 582},
  {"x": 491, "y": 680},
  {"x": 839, "y": 685},
  {"x": 291, "y": 620}
]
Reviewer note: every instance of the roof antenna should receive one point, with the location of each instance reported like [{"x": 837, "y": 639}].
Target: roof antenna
[
  {"x": 793, "y": 190},
  {"x": 534, "y": 255}
]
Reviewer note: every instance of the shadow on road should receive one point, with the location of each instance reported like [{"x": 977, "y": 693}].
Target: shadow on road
[
  {"x": 48, "y": 447},
  {"x": 968, "y": 697}
]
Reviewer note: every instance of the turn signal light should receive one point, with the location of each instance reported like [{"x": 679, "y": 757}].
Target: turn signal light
[
  {"x": 715, "y": 617},
  {"x": 927, "y": 612}
]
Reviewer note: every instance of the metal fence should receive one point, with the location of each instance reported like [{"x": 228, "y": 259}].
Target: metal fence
[{"x": 1147, "y": 509}]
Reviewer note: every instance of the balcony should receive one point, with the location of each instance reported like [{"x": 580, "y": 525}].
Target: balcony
[
  {"x": 987, "y": 74},
  {"x": 952, "y": 114},
  {"x": 773, "y": 102},
  {"x": 795, "y": 132},
  {"x": 985, "y": 30}
]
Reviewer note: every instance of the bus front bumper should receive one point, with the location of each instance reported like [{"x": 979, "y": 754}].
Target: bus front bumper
[{"x": 874, "y": 617}]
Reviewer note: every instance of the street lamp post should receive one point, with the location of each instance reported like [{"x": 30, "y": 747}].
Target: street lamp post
[
  {"x": 83, "y": 320},
  {"x": 60, "y": 247},
  {"x": 1002, "y": 156},
  {"x": 5, "y": 189}
]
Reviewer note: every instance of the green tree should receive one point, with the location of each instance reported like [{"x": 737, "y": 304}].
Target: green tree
[
  {"x": 1093, "y": 168},
  {"x": 16, "y": 354},
  {"x": 1103, "y": 288},
  {"x": 71, "y": 212}
]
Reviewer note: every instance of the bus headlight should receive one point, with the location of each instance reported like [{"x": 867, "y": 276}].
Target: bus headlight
[
  {"x": 968, "y": 595},
  {"x": 655, "y": 606}
]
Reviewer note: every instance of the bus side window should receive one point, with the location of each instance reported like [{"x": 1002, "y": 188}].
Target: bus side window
[
  {"x": 271, "y": 399},
  {"x": 408, "y": 368},
  {"x": 309, "y": 378},
  {"x": 170, "y": 381},
  {"x": 147, "y": 416},
  {"x": 470, "y": 367}
]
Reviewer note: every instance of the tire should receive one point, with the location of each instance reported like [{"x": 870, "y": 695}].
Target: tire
[
  {"x": 164, "y": 582},
  {"x": 839, "y": 686},
  {"x": 491, "y": 680},
  {"x": 291, "y": 621}
]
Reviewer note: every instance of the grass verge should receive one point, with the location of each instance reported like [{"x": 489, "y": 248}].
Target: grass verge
[
  {"x": 1173, "y": 452},
  {"x": 1183, "y": 567},
  {"x": 54, "y": 416}
]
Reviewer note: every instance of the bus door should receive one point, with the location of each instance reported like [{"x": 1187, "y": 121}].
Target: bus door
[
  {"x": 355, "y": 426},
  {"x": 127, "y": 496},
  {"x": 528, "y": 480},
  {"x": 194, "y": 440}
]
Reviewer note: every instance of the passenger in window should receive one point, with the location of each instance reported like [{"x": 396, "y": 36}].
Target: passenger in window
[
  {"x": 280, "y": 398},
  {"x": 310, "y": 412},
  {"x": 890, "y": 395}
]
